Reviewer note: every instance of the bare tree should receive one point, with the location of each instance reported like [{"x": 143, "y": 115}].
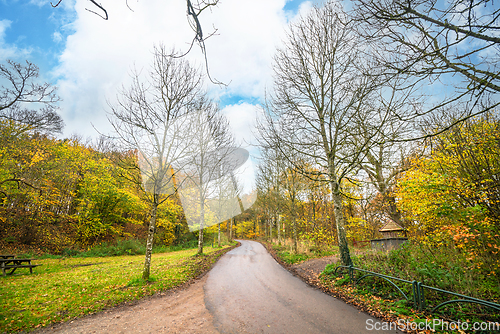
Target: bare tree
[
  {"x": 453, "y": 42},
  {"x": 214, "y": 156},
  {"x": 268, "y": 184},
  {"x": 25, "y": 101},
  {"x": 384, "y": 155},
  {"x": 152, "y": 119},
  {"x": 292, "y": 187},
  {"x": 321, "y": 95}
]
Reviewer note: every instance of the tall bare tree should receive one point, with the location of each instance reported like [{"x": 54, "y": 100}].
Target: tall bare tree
[
  {"x": 321, "y": 95},
  {"x": 214, "y": 156},
  {"x": 453, "y": 42},
  {"x": 152, "y": 118},
  {"x": 268, "y": 184}
]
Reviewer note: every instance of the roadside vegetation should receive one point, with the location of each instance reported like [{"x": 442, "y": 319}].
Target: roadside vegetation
[
  {"x": 63, "y": 288},
  {"x": 441, "y": 268},
  {"x": 305, "y": 251}
]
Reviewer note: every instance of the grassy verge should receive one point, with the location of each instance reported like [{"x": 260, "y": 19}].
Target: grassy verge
[
  {"x": 286, "y": 254},
  {"x": 64, "y": 288},
  {"x": 443, "y": 268}
]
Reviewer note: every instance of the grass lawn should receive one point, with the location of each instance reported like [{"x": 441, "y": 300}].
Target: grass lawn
[{"x": 61, "y": 289}]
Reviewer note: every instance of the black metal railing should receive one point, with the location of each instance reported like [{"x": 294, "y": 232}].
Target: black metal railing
[{"x": 418, "y": 289}]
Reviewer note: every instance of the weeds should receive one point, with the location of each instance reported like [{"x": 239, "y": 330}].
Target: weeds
[
  {"x": 440, "y": 267},
  {"x": 305, "y": 251}
]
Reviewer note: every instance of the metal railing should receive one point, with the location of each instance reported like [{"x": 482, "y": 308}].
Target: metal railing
[{"x": 418, "y": 289}]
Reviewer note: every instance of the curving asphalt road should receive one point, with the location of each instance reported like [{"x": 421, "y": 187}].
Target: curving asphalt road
[{"x": 249, "y": 292}]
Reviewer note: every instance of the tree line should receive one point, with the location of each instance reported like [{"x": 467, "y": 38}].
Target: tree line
[{"x": 385, "y": 112}]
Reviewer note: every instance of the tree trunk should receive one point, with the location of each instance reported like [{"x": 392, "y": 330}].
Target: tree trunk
[
  {"x": 294, "y": 234},
  {"x": 202, "y": 225},
  {"x": 270, "y": 222},
  {"x": 231, "y": 229},
  {"x": 149, "y": 243},
  {"x": 279, "y": 230},
  {"x": 265, "y": 228},
  {"x": 392, "y": 209},
  {"x": 340, "y": 223},
  {"x": 218, "y": 236}
]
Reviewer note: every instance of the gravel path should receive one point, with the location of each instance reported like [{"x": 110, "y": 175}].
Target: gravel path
[{"x": 178, "y": 311}]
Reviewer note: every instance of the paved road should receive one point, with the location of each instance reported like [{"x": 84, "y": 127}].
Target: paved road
[{"x": 249, "y": 292}]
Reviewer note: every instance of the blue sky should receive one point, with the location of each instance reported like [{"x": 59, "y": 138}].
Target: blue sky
[
  {"x": 89, "y": 59},
  {"x": 28, "y": 26}
]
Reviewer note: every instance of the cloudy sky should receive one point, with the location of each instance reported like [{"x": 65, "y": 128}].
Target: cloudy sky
[{"x": 89, "y": 59}]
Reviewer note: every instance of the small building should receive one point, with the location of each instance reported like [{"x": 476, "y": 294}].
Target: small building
[
  {"x": 392, "y": 230},
  {"x": 393, "y": 236}
]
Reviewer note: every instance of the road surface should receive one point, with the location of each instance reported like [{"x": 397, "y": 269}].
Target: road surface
[{"x": 249, "y": 292}]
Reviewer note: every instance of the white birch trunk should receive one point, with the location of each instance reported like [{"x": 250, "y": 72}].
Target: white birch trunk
[{"x": 149, "y": 242}]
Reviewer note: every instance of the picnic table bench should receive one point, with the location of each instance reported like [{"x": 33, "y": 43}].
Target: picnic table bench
[{"x": 9, "y": 262}]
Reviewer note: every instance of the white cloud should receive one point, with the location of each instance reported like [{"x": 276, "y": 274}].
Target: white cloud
[
  {"x": 242, "y": 118},
  {"x": 248, "y": 35},
  {"x": 57, "y": 37},
  {"x": 100, "y": 54},
  {"x": 8, "y": 51}
]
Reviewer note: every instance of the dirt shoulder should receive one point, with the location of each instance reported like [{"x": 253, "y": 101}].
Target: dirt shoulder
[{"x": 176, "y": 311}]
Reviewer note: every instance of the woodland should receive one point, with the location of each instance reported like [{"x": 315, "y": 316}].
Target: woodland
[{"x": 354, "y": 136}]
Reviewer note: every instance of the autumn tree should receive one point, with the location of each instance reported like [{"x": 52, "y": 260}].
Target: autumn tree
[
  {"x": 27, "y": 108},
  {"x": 152, "y": 119},
  {"x": 270, "y": 198},
  {"x": 292, "y": 186},
  {"x": 450, "y": 193},
  {"x": 385, "y": 146},
  {"x": 62, "y": 194}
]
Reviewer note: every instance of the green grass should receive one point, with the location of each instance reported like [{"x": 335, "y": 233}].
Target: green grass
[
  {"x": 443, "y": 268},
  {"x": 64, "y": 288},
  {"x": 285, "y": 253},
  {"x": 117, "y": 248}
]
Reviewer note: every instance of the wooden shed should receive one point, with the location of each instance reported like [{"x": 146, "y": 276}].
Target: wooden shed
[
  {"x": 394, "y": 236},
  {"x": 392, "y": 230}
]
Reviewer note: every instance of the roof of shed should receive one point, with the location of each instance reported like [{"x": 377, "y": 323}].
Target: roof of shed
[{"x": 391, "y": 226}]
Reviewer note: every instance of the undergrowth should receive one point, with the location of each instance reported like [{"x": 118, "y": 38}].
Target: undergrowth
[
  {"x": 118, "y": 248},
  {"x": 443, "y": 268},
  {"x": 305, "y": 251}
]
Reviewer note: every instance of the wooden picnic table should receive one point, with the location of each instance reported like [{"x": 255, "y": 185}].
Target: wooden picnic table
[{"x": 9, "y": 262}]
